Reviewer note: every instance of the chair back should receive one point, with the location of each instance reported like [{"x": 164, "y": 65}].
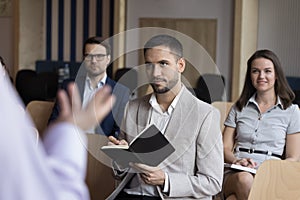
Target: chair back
[
  {"x": 36, "y": 86},
  {"x": 210, "y": 87},
  {"x": 224, "y": 108},
  {"x": 99, "y": 178},
  {"x": 40, "y": 112},
  {"x": 26, "y": 85},
  {"x": 49, "y": 84},
  {"x": 276, "y": 179},
  {"x": 127, "y": 77}
]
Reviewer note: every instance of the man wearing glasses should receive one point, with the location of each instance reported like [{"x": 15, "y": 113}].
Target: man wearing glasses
[{"x": 91, "y": 77}]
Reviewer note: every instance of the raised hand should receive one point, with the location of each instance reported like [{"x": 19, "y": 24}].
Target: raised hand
[{"x": 92, "y": 114}]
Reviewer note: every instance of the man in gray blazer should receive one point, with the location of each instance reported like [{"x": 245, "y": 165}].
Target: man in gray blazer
[{"x": 195, "y": 169}]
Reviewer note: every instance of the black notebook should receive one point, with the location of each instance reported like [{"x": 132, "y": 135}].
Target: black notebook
[{"x": 150, "y": 147}]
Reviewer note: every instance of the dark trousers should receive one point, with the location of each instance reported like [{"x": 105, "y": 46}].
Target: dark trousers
[{"x": 125, "y": 196}]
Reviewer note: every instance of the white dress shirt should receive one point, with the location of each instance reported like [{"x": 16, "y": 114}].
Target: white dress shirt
[
  {"x": 161, "y": 120},
  {"x": 89, "y": 92}
]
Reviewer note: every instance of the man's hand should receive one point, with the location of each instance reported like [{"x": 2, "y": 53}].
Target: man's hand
[
  {"x": 150, "y": 175},
  {"x": 115, "y": 141},
  {"x": 247, "y": 162},
  {"x": 92, "y": 114}
]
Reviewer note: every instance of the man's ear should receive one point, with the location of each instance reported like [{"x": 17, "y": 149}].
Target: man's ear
[
  {"x": 181, "y": 65},
  {"x": 108, "y": 59}
]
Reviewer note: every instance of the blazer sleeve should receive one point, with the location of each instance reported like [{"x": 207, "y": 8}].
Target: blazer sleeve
[
  {"x": 208, "y": 176},
  {"x": 122, "y": 94}
]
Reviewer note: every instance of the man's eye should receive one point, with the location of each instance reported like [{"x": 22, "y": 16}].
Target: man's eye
[
  {"x": 163, "y": 64},
  {"x": 100, "y": 55}
]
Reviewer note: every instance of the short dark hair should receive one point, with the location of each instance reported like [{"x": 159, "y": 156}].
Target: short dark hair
[
  {"x": 165, "y": 40},
  {"x": 97, "y": 40},
  {"x": 282, "y": 88}
]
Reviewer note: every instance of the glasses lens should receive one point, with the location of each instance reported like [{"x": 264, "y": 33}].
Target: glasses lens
[{"x": 98, "y": 57}]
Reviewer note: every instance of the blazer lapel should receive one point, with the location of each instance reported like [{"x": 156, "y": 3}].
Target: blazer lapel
[
  {"x": 110, "y": 82},
  {"x": 80, "y": 81},
  {"x": 182, "y": 120},
  {"x": 177, "y": 132},
  {"x": 143, "y": 113}
]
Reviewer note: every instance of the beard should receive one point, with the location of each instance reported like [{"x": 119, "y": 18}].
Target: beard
[
  {"x": 158, "y": 90},
  {"x": 161, "y": 90},
  {"x": 94, "y": 70}
]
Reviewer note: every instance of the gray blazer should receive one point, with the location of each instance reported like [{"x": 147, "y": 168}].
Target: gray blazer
[{"x": 195, "y": 169}]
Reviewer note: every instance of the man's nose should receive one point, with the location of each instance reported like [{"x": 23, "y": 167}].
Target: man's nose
[
  {"x": 94, "y": 59},
  {"x": 156, "y": 70}
]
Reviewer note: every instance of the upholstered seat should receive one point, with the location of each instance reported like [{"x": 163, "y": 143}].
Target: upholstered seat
[
  {"x": 224, "y": 108},
  {"x": 40, "y": 112}
]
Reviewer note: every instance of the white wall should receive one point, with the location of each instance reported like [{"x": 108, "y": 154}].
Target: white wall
[
  {"x": 222, "y": 10},
  {"x": 279, "y": 31}
]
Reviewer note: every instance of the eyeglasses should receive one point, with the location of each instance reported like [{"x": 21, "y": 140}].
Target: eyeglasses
[{"x": 98, "y": 57}]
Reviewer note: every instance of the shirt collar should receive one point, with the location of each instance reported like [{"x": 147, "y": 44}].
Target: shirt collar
[
  {"x": 252, "y": 100},
  {"x": 153, "y": 102},
  {"x": 100, "y": 83}
]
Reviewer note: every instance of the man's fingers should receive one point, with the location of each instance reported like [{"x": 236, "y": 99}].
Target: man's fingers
[
  {"x": 103, "y": 94},
  {"x": 96, "y": 110},
  {"x": 104, "y": 102},
  {"x": 123, "y": 142},
  {"x": 75, "y": 97},
  {"x": 64, "y": 103},
  {"x": 113, "y": 140}
]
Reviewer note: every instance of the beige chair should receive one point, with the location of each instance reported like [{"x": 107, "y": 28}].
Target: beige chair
[
  {"x": 224, "y": 108},
  {"x": 276, "y": 179},
  {"x": 99, "y": 178},
  {"x": 40, "y": 112}
]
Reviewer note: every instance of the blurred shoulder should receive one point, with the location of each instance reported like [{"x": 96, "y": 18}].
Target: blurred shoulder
[{"x": 117, "y": 88}]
